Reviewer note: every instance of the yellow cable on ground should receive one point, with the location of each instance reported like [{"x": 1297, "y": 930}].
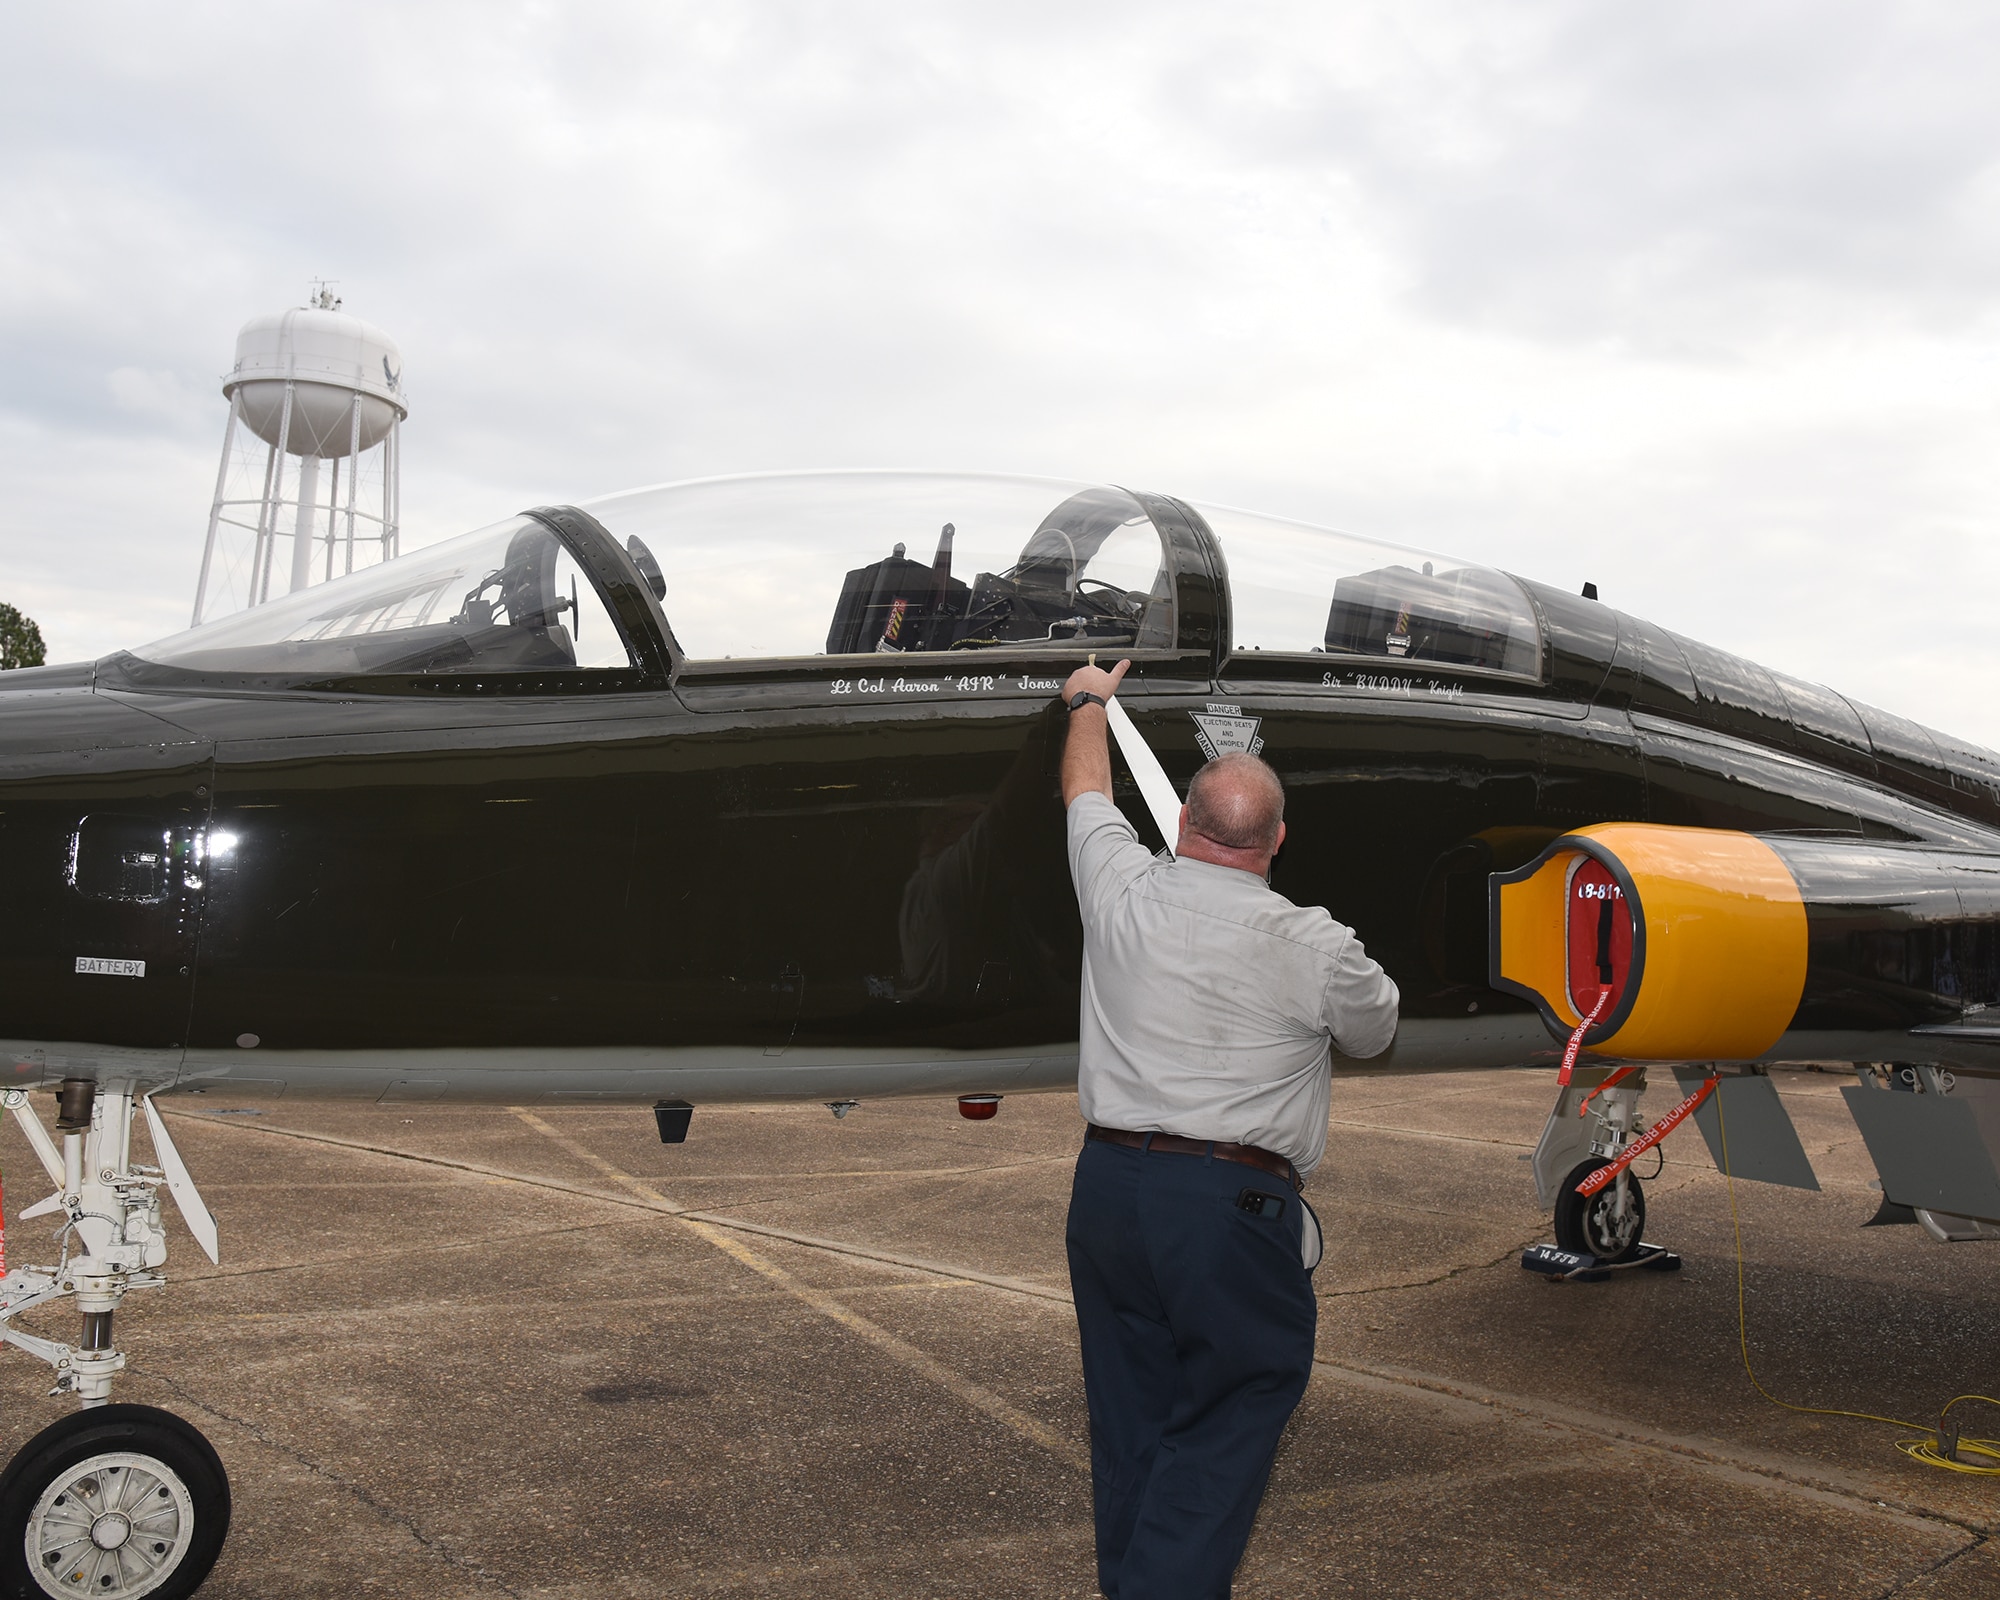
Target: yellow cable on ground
[{"x": 1930, "y": 1450}]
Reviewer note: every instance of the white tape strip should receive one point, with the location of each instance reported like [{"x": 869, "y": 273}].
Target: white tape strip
[{"x": 1154, "y": 786}]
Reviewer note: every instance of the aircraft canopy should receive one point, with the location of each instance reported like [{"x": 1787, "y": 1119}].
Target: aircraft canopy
[{"x": 798, "y": 565}]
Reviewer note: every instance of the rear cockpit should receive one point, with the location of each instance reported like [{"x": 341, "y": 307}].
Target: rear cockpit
[
  {"x": 1056, "y": 592},
  {"x": 879, "y": 563}
]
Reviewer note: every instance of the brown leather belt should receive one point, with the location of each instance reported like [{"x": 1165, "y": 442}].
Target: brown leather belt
[{"x": 1248, "y": 1155}]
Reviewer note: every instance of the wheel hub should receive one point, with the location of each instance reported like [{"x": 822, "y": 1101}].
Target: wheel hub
[
  {"x": 116, "y": 1525},
  {"x": 111, "y": 1530},
  {"x": 1609, "y": 1231}
]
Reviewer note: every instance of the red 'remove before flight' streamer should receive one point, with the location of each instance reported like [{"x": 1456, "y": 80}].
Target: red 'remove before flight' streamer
[
  {"x": 1652, "y": 1136},
  {"x": 1576, "y": 1039}
]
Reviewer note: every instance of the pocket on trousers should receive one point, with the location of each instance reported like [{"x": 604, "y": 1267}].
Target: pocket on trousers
[
  {"x": 1312, "y": 1246},
  {"x": 1266, "y": 1213}
]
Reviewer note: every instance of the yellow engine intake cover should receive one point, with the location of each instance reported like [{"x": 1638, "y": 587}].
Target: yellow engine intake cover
[{"x": 1699, "y": 934}]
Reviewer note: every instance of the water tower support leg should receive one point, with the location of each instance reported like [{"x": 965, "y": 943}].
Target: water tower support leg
[
  {"x": 332, "y": 515},
  {"x": 302, "y": 530},
  {"x": 353, "y": 478},
  {"x": 215, "y": 509},
  {"x": 392, "y": 490},
  {"x": 274, "y": 497}
]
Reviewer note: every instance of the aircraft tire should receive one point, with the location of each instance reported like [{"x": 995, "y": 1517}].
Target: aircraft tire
[
  {"x": 1585, "y": 1226},
  {"x": 129, "y": 1494}
]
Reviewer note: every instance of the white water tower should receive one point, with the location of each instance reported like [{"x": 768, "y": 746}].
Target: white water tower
[{"x": 312, "y": 389}]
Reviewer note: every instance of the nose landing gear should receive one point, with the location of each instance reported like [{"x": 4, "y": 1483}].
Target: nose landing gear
[
  {"x": 123, "y": 1501},
  {"x": 1596, "y": 1117}
]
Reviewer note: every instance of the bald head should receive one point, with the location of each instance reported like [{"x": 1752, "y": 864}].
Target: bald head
[{"x": 1237, "y": 801}]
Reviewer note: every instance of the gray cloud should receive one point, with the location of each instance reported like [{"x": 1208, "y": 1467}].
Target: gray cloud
[
  {"x": 1685, "y": 177},
  {"x": 1694, "y": 303}
]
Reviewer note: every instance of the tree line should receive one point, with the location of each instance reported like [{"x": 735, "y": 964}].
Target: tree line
[{"x": 20, "y": 640}]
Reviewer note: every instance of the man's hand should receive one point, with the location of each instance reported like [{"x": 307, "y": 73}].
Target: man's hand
[
  {"x": 1096, "y": 680},
  {"x": 1086, "y": 767}
]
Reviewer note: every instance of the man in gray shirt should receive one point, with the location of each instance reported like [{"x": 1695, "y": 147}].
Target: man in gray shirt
[{"x": 1209, "y": 1003}]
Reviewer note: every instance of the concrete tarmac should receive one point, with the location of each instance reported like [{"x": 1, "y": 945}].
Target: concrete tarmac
[{"x": 476, "y": 1351}]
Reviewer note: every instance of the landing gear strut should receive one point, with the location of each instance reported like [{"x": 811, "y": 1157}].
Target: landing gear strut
[{"x": 116, "y": 1500}]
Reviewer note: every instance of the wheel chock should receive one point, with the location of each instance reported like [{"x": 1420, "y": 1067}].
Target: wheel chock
[{"x": 1569, "y": 1266}]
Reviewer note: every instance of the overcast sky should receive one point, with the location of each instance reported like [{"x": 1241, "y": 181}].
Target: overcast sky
[{"x": 1699, "y": 302}]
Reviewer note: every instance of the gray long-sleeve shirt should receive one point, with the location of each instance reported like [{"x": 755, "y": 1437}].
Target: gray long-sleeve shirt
[{"x": 1209, "y": 1000}]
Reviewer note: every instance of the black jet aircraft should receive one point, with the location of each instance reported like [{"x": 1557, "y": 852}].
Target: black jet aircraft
[{"x": 746, "y": 789}]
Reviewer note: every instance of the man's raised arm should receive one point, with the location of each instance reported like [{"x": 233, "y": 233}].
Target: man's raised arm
[{"x": 1086, "y": 765}]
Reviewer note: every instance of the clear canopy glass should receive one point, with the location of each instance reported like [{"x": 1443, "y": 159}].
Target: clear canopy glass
[
  {"x": 506, "y": 598},
  {"x": 842, "y": 563},
  {"x": 863, "y": 563},
  {"x": 1303, "y": 590}
]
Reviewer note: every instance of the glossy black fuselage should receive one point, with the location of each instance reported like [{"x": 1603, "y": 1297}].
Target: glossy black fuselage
[{"x": 829, "y": 876}]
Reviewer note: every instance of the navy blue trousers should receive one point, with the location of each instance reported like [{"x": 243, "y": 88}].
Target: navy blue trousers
[{"x": 1196, "y": 1319}]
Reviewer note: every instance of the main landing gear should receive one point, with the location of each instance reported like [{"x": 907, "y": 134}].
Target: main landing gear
[{"x": 122, "y": 1501}]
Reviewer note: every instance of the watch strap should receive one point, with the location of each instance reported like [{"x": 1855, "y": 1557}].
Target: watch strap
[{"x": 1084, "y": 697}]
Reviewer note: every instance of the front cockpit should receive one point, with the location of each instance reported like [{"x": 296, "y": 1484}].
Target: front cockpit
[{"x": 512, "y": 597}]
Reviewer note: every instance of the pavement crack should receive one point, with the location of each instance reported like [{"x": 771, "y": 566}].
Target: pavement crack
[
  {"x": 1446, "y": 1276},
  {"x": 1979, "y": 1541},
  {"x": 346, "y": 1485}
]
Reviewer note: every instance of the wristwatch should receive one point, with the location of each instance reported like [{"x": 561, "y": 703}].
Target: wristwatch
[{"x": 1084, "y": 697}]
